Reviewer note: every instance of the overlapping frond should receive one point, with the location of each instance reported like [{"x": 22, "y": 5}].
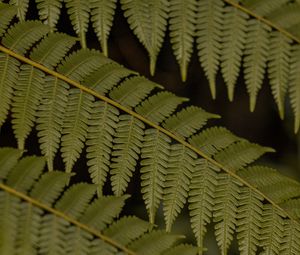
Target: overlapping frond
[
  {"x": 43, "y": 219},
  {"x": 225, "y": 31},
  {"x": 209, "y": 173}
]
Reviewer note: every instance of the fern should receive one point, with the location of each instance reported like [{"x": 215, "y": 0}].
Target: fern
[
  {"x": 39, "y": 220},
  {"x": 212, "y": 175},
  {"x": 219, "y": 28}
]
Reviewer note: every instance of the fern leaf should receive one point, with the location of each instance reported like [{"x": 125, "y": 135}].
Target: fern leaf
[
  {"x": 249, "y": 220},
  {"x": 127, "y": 229},
  {"x": 291, "y": 240},
  {"x": 81, "y": 64},
  {"x": 265, "y": 7},
  {"x": 49, "y": 11},
  {"x": 160, "y": 106},
  {"x": 75, "y": 126},
  {"x": 233, "y": 43},
  {"x": 188, "y": 121},
  {"x": 99, "y": 143},
  {"x": 98, "y": 246},
  {"x": 79, "y": 12},
  {"x": 8, "y": 159},
  {"x": 49, "y": 187},
  {"x": 23, "y": 175},
  {"x": 182, "y": 31},
  {"x": 159, "y": 244},
  {"x": 22, "y": 6},
  {"x": 28, "y": 91},
  {"x": 28, "y": 225},
  {"x": 102, "y": 16},
  {"x": 9, "y": 215},
  {"x": 126, "y": 150},
  {"x": 202, "y": 198},
  {"x": 78, "y": 241},
  {"x": 52, "y": 235},
  {"x": 214, "y": 139},
  {"x": 52, "y": 49},
  {"x": 179, "y": 174},
  {"x": 294, "y": 83},
  {"x": 75, "y": 207},
  {"x": 132, "y": 91},
  {"x": 23, "y": 35},
  {"x": 155, "y": 154},
  {"x": 104, "y": 79},
  {"x": 255, "y": 61},
  {"x": 209, "y": 34},
  {"x": 292, "y": 206},
  {"x": 278, "y": 68},
  {"x": 240, "y": 154},
  {"x": 287, "y": 16},
  {"x": 225, "y": 210},
  {"x": 9, "y": 68},
  {"x": 272, "y": 230},
  {"x": 278, "y": 188},
  {"x": 7, "y": 12},
  {"x": 102, "y": 211},
  {"x": 182, "y": 249},
  {"x": 150, "y": 26},
  {"x": 54, "y": 99}
]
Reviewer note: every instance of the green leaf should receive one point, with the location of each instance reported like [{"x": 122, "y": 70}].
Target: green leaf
[
  {"x": 49, "y": 11},
  {"x": 182, "y": 19},
  {"x": 102, "y": 15},
  {"x": 150, "y": 26}
]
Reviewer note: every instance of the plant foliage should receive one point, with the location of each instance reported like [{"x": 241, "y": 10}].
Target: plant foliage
[
  {"x": 229, "y": 35},
  {"x": 127, "y": 123},
  {"x": 39, "y": 215}
]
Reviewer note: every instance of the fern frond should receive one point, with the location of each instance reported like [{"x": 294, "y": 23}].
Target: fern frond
[
  {"x": 240, "y": 154},
  {"x": 181, "y": 166},
  {"x": 249, "y": 219},
  {"x": 104, "y": 79},
  {"x": 156, "y": 242},
  {"x": 182, "y": 19},
  {"x": 22, "y": 7},
  {"x": 233, "y": 43},
  {"x": 43, "y": 220},
  {"x": 150, "y": 26},
  {"x": 7, "y": 12},
  {"x": 101, "y": 130},
  {"x": 133, "y": 91},
  {"x": 271, "y": 183},
  {"x": 209, "y": 36},
  {"x": 160, "y": 106},
  {"x": 286, "y": 16},
  {"x": 188, "y": 121},
  {"x": 202, "y": 198},
  {"x": 75, "y": 126},
  {"x": 278, "y": 68},
  {"x": 9, "y": 215},
  {"x": 49, "y": 11},
  {"x": 272, "y": 230},
  {"x": 102, "y": 14},
  {"x": 294, "y": 85},
  {"x": 263, "y": 8},
  {"x": 225, "y": 210},
  {"x": 214, "y": 139},
  {"x": 79, "y": 13},
  {"x": 126, "y": 150},
  {"x": 182, "y": 249},
  {"x": 8, "y": 159},
  {"x": 155, "y": 154},
  {"x": 255, "y": 61},
  {"x": 291, "y": 242},
  {"x": 127, "y": 229}
]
